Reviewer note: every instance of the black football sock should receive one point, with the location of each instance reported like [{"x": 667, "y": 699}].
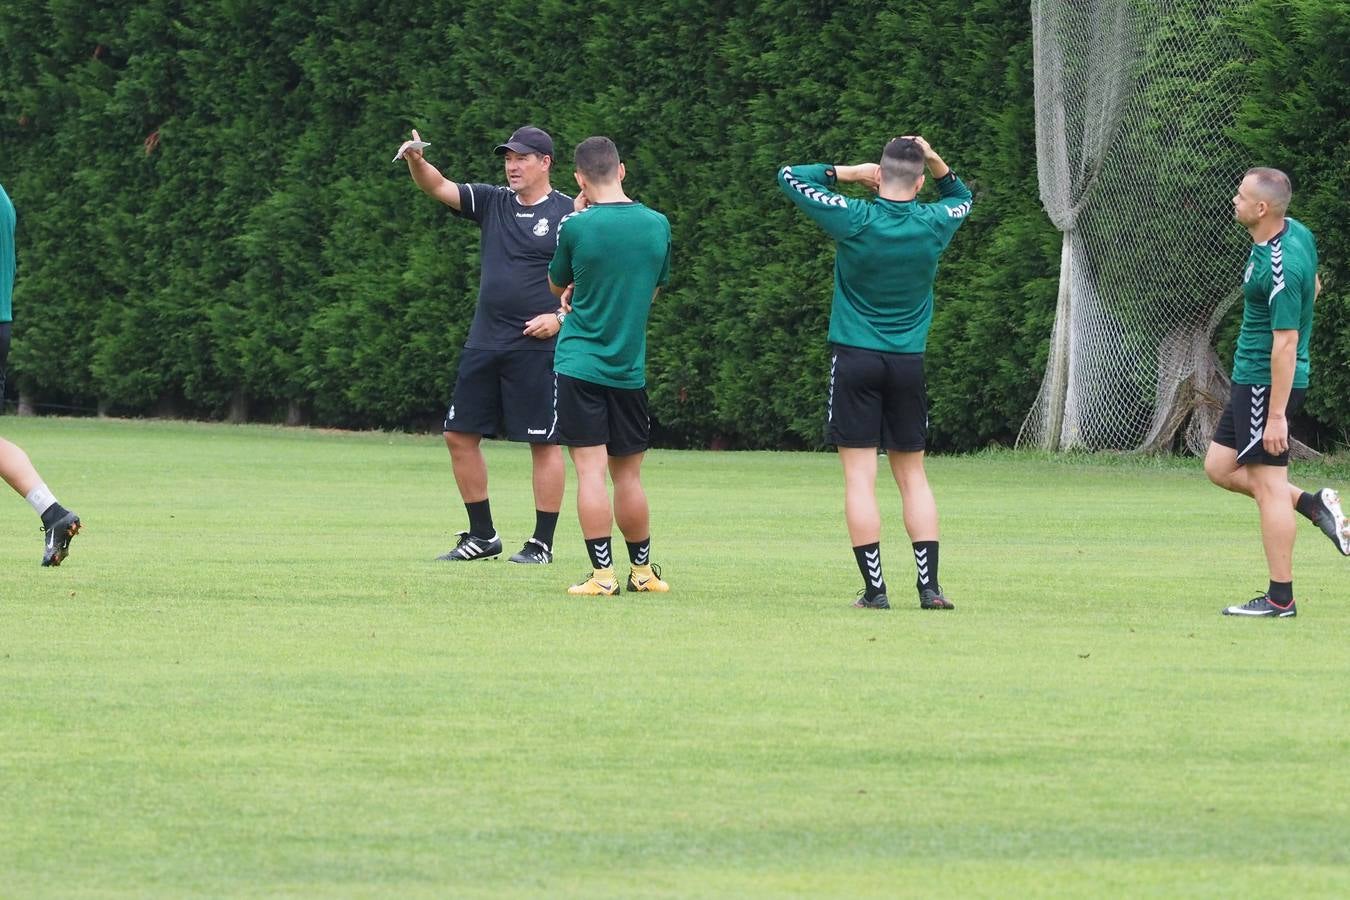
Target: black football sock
[
  {"x": 1309, "y": 505},
  {"x": 598, "y": 549},
  {"x": 1281, "y": 593},
  {"x": 868, "y": 557},
  {"x": 54, "y": 512},
  {"x": 926, "y": 564},
  {"x": 480, "y": 519},
  {"x": 544, "y": 525},
  {"x": 640, "y": 552}
]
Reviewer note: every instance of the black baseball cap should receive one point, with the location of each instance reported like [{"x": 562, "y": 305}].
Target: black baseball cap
[{"x": 527, "y": 139}]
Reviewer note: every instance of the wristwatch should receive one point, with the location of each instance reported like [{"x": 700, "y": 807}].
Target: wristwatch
[{"x": 561, "y": 315}]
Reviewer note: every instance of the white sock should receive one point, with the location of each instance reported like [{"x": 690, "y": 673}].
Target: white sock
[{"x": 41, "y": 498}]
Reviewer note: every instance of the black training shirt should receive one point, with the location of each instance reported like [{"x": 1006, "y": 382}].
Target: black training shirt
[{"x": 518, "y": 242}]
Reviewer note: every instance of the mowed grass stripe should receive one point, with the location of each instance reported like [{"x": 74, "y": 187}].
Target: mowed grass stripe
[{"x": 250, "y": 678}]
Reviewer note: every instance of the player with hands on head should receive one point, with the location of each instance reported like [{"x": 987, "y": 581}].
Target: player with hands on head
[
  {"x": 886, "y": 260},
  {"x": 504, "y": 386}
]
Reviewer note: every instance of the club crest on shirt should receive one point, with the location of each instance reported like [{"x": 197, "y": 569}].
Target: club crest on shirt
[
  {"x": 540, "y": 228},
  {"x": 1247, "y": 276}
]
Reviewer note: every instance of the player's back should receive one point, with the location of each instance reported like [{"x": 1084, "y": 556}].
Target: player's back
[
  {"x": 884, "y": 275},
  {"x": 618, "y": 254}
]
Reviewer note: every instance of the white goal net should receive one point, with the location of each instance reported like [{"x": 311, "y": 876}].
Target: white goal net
[{"x": 1135, "y": 102}]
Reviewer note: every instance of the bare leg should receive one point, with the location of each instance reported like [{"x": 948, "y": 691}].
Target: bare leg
[
  {"x": 1270, "y": 486},
  {"x": 861, "y": 512},
  {"x": 630, "y": 500},
  {"x": 921, "y": 516},
  {"x": 466, "y": 458},
  {"x": 593, "y": 510},
  {"x": 1222, "y": 467},
  {"x": 549, "y": 476},
  {"x": 18, "y": 472},
  {"x": 17, "y": 469}
]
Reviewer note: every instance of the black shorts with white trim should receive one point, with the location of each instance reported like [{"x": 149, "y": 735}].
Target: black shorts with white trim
[
  {"x": 504, "y": 393},
  {"x": 590, "y": 414},
  {"x": 1242, "y": 426},
  {"x": 876, "y": 399}
]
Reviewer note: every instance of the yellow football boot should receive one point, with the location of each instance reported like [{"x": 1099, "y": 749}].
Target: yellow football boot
[
  {"x": 647, "y": 579},
  {"x": 601, "y": 583}
]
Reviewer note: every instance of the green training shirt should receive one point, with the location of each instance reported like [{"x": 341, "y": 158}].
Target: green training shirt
[
  {"x": 886, "y": 256},
  {"x": 617, "y": 255},
  {"x": 6, "y": 257},
  {"x": 1278, "y": 288}
]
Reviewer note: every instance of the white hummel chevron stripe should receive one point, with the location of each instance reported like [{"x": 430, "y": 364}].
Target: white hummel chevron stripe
[
  {"x": 1256, "y": 439},
  {"x": 829, "y": 403},
  {"x": 1276, "y": 268},
  {"x": 811, "y": 193},
  {"x": 1258, "y": 413},
  {"x": 553, "y": 426}
]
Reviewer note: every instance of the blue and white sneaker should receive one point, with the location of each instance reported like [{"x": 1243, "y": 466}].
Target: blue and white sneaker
[
  {"x": 1263, "y": 607},
  {"x": 471, "y": 548}
]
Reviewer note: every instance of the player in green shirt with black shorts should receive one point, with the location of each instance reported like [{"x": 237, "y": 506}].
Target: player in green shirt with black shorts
[
  {"x": 59, "y": 524},
  {"x": 886, "y": 258},
  {"x": 615, "y": 255},
  {"x": 1250, "y": 451}
]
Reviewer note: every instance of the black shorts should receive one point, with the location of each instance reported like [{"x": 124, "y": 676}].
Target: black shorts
[
  {"x": 504, "y": 393},
  {"x": 1243, "y": 423},
  {"x": 877, "y": 400},
  {"x": 590, "y": 414}
]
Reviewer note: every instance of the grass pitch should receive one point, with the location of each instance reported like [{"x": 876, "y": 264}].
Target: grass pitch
[{"x": 251, "y": 679}]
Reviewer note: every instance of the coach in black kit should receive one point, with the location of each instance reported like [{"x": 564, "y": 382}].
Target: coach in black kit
[{"x": 505, "y": 381}]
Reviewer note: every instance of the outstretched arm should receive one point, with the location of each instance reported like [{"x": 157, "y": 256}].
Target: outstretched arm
[{"x": 427, "y": 176}]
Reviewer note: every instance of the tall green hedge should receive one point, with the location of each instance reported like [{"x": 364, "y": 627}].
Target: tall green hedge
[
  {"x": 1297, "y": 118},
  {"x": 210, "y": 223}
]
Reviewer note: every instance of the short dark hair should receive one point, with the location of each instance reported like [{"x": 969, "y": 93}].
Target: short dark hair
[
  {"x": 1273, "y": 186},
  {"x": 902, "y": 161},
  {"x": 597, "y": 158}
]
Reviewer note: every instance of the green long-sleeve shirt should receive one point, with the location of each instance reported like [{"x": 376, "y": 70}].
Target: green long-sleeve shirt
[
  {"x": 6, "y": 257},
  {"x": 886, "y": 256}
]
